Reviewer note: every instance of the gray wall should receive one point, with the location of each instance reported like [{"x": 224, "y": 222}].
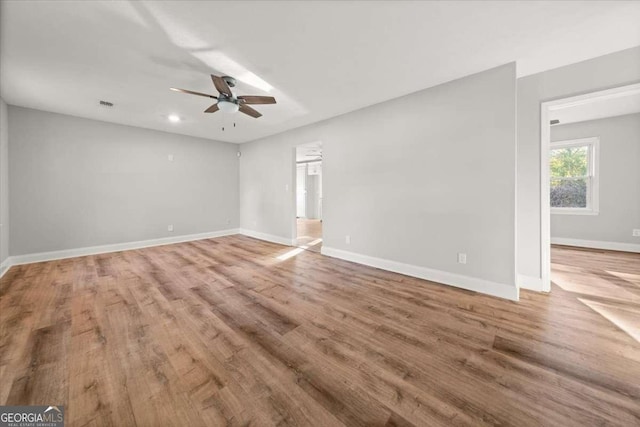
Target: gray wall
[
  {"x": 619, "y": 177},
  {"x": 617, "y": 69},
  {"x": 4, "y": 181},
  {"x": 413, "y": 180},
  {"x": 76, "y": 183}
]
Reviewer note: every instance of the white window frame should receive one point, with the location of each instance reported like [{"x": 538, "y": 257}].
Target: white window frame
[{"x": 593, "y": 185}]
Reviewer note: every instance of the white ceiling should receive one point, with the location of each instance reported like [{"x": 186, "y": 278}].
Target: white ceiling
[
  {"x": 599, "y": 109},
  {"x": 321, "y": 59}
]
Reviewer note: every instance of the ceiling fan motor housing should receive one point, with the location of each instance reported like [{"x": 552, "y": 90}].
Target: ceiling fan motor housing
[
  {"x": 224, "y": 98},
  {"x": 230, "y": 81}
]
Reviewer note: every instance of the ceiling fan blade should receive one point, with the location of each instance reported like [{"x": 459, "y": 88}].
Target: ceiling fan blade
[
  {"x": 212, "y": 109},
  {"x": 192, "y": 92},
  {"x": 249, "y": 111},
  {"x": 250, "y": 99},
  {"x": 221, "y": 85}
]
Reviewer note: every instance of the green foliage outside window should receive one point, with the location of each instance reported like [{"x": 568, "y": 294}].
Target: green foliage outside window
[
  {"x": 570, "y": 162},
  {"x": 569, "y": 169}
]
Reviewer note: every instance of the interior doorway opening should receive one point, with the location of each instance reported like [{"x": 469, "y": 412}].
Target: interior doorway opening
[
  {"x": 589, "y": 190},
  {"x": 309, "y": 196}
]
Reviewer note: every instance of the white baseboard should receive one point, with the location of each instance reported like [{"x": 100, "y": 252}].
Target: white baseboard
[
  {"x": 4, "y": 267},
  {"x": 447, "y": 278},
  {"x": 529, "y": 283},
  {"x": 267, "y": 237},
  {"x": 597, "y": 244},
  {"x": 117, "y": 247}
]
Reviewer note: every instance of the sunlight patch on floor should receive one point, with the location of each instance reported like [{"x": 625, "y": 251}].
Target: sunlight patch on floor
[
  {"x": 296, "y": 251},
  {"x": 626, "y": 319},
  {"x": 573, "y": 279},
  {"x": 629, "y": 277}
]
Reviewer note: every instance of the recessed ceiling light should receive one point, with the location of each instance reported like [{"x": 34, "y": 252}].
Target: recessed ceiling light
[{"x": 174, "y": 118}]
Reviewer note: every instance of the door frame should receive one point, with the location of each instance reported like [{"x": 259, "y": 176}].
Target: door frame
[
  {"x": 298, "y": 166},
  {"x": 294, "y": 186},
  {"x": 545, "y": 141}
]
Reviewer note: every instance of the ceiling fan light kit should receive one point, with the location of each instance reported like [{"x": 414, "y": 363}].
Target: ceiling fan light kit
[
  {"x": 227, "y": 102},
  {"x": 228, "y": 106}
]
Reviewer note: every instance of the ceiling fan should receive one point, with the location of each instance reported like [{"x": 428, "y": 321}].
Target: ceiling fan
[{"x": 227, "y": 101}]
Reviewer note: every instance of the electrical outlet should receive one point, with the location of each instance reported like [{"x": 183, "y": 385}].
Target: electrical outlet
[
  {"x": 347, "y": 239},
  {"x": 462, "y": 258},
  {"x": 636, "y": 232},
  {"x": 170, "y": 157},
  {"x": 170, "y": 227}
]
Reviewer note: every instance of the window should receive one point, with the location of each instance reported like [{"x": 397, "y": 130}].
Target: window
[{"x": 573, "y": 174}]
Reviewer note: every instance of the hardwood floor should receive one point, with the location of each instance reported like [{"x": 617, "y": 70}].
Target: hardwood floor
[
  {"x": 223, "y": 332},
  {"x": 310, "y": 234}
]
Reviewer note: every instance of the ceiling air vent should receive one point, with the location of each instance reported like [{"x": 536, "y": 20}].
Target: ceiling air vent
[
  {"x": 106, "y": 104},
  {"x": 554, "y": 122}
]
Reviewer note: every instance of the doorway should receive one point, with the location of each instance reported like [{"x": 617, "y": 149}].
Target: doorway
[
  {"x": 587, "y": 179},
  {"x": 309, "y": 196}
]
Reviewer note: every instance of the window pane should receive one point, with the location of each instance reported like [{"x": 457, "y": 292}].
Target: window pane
[
  {"x": 569, "y": 193},
  {"x": 569, "y": 161}
]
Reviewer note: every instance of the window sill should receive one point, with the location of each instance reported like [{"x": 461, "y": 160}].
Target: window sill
[{"x": 568, "y": 211}]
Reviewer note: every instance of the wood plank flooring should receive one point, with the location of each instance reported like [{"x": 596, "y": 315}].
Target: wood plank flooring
[
  {"x": 223, "y": 332},
  {"x": 309, "y": 232}
]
